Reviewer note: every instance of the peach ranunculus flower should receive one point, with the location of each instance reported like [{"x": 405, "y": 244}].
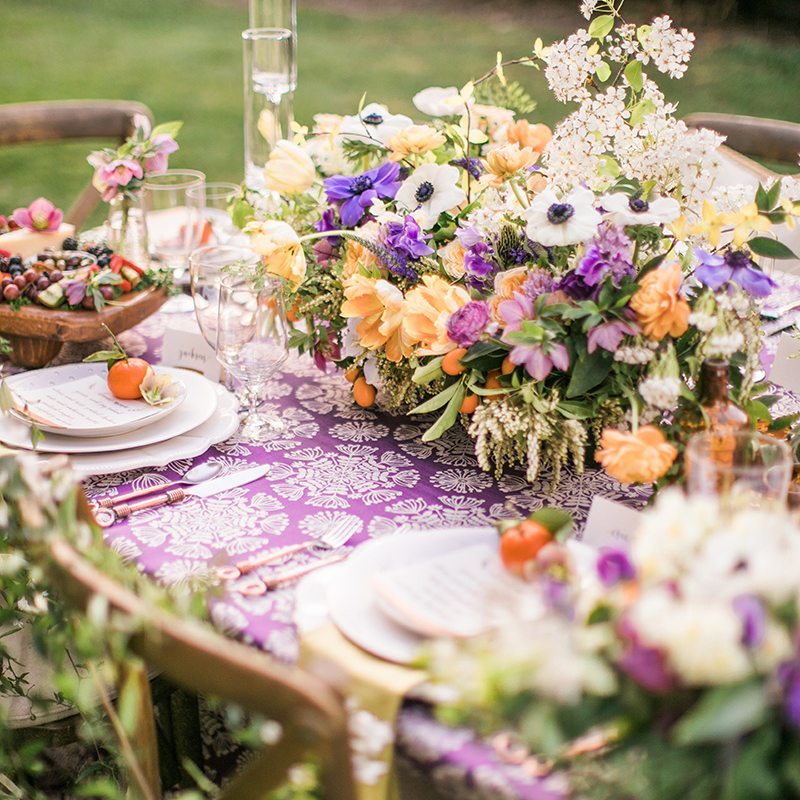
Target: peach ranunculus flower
[
  {"x": 379, "y": 306},
  {"x": 428, "y": 308},
  {"x": 641, "y": 457},
  {"x": 507, "y": 160},
  {"x": 658, "y": 304},
  {"x": 280, "y": 249},
  {"x": 505, "y": 284},
  {"x": 289, "y": 169},
  {"x": 537, "y": 137},
  {"x": 357, "y": 258},
  {"x": 452, "y": 255},
  {"x": 414, "y": 140}
]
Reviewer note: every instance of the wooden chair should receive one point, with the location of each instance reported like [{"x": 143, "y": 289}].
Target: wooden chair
[
  {"x": 62, "y": 120},
  {"x": 311, "y": 715}
]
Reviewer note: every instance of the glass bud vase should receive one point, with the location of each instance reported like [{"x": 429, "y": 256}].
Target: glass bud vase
[{"x": 126, "y": 228}]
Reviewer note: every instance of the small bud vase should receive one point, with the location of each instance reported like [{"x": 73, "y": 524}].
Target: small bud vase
[{"x": 126, "y": 228}]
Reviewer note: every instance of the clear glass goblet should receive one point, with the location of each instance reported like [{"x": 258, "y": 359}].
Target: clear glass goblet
[{"x": 214, "y": 201}]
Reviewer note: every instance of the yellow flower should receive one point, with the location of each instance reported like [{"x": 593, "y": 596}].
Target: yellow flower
[
  {"x": 507, "y": 160},
  {"x": 414, "y": 140},
  {"x": 711, "y": 225},
  {"x": 280, "y": 249},
  {"x": 289, "y": 169},
  {"x": 537, "y": 137},
  {"x": 658, "y": 305},
  {"x": 747, "y": 221},
  {"x": 327, "y": 123},
  {"x": 641, "y": 457},
  {"x": 356, "y": 258},
  {"x": 379, "y": 306},
  {"x": 791, "y": 210},
  {"x": 428, "y": 308},
  {"x": 679, "y": 228},
  {"x": 452, "y": 255}
]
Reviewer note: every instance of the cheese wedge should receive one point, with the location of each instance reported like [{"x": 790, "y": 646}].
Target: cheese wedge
[{"x": 28, "y": 243}]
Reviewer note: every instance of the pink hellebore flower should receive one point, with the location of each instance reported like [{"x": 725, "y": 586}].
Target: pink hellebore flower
[
  {"x": 40, "y": 216},
  {"x": 121, "y": 171},
  {"x": 539, "y": 363},
  {"x": 608, "y": 335},
  {"x": 515, "y": 311}
]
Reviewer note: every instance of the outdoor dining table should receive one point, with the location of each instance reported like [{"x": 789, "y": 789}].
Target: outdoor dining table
[{"x": 335, "y": 460}]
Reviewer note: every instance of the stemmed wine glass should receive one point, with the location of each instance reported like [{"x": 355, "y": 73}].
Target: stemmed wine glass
[
  {"x": 214, "y": 200},
  {"x": 252, "y": 339},
  {"x": 174, "y": 223},
  {"x": 270, "y": 72}
]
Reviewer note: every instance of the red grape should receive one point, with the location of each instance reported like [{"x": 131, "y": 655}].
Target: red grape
[
  {"x": 11, "y": 292},
  {"x": 30, "y": 275},
  {"x": 20, "y": 282},
  {"x": 42, "y": 283}
]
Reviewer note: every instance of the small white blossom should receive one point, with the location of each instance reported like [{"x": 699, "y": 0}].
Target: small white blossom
[
  {"x": 725, "y": 345},
  {"x": 660, "y": 393},
  {"x": 587, "y": 8},
  {"x": 633, "y": 355},
  {"x": 570, "y": 64},
  {"x": 702, "y": 321},
  {"x": 669, "y": 49}
]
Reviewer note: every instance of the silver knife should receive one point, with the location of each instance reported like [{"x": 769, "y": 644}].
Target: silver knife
[{"x": 106, "y": 517}]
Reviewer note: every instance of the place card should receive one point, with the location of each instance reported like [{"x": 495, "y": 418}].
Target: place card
[
  {"x": 459, "y": 594},
  {"x": 786, "y": 365},
  {"x": 609, "y": 524},
  {"x": 189, "y": 349},
  {"x": 82, "y": 403}
]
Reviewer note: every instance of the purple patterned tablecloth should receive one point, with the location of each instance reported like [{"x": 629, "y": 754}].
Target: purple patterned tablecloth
[{"x": 335, "y": 460}]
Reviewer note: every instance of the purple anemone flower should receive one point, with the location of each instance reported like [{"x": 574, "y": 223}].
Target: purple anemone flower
[
  {"x": 355, "y": 194},
  {"x": 735, "y": 266},
  {"x": 466, "y": 325},
  {"x": 575, "y": 286},
  {"x": 613, "y": 566},
  {"x": 609, "y": 334},
  {"x": 406, "y": 240},
  {"x": 328, "y": 222}
]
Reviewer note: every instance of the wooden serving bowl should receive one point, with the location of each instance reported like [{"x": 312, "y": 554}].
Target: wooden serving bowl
[{"x": 36, "y": 334}]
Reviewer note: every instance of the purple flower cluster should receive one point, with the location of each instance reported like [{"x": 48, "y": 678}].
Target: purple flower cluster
[
  {"x": 471, "y": 165},
  {"x": 354, "y": 195},
  {"x": 404, "y": 242},
  {"x": 576, "y": 287},
  {"x": 610, "y": 253},
  {"x": 735, "y": 266},
  {"x": 538, "y": 282},
  {"x": 613, "y": 566},
  {"x": 645, "y": 665},
  {"x": 466, "y": 325}
]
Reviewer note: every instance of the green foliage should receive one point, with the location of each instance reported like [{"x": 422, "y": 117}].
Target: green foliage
[{"x": 508, "y": 94}]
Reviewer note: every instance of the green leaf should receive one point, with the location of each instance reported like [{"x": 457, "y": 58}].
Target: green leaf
[
  {"x": 170, "y": 128},
  {"x": 762, "y": 199},
  {"x": 241, "y": 213},
  {"x": 481, "y": 350},
  {"x": 437, "y": 401},
  {"x": 6, "y": 397},
  {"x": 590, "y": 371},
  {"x": 769, "y": 248},
  {"x": 653, "y": 263},
  {"x": 757, "y": 410},
  {"x": 556, "y": 520},
  {"x": 773, "y": 195},
  {"x": 752, "y": 773},
  {"x": 425, "y": 373},
  {"x": 479, "y": 390},
  {"x": 601, "y": 26},
  {"x": 642, "y": 109},
  {"x": 448, "y": 418},
  {"x": 603, "y": 72},
  {"x": 633, "y": 74},
  {"x": 36, "y": 436},
  {"x": 110, "y": 356},
  {"x": 723, "y": 714},
  {"x": 573, "y": 410}
]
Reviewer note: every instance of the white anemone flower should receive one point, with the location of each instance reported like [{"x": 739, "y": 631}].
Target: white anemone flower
[
  {"x": 437, "y": 101},
  {"x": 571, "y": 220},
  {"x": 622, "y": 209},
  {"x": 430, "y": 190},
  {"x": 373, "y": 124}
]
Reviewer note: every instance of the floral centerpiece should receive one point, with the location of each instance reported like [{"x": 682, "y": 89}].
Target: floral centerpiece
[
  {"x": 119, "y": 176},
  {"x": 549, "y": 291},
  {"x": 670, "y": 671}
]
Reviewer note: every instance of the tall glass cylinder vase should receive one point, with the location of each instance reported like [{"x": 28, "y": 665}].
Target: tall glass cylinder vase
[
  {"x": 274, "y": 14},
  {"x": 269, "y": 76},
  {"x": 126, "y": 228}
]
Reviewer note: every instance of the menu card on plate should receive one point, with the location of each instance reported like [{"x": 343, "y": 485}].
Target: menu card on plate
[
  {"x": 461, "y": 593},
  {"x": 609, "y": 524},
  {"x": 82, "y": 403}
]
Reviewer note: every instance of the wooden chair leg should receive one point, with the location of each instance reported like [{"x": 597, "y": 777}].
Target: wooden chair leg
[
  {"x": 266, "y": 772},
  {"x": 143, "y": 739}
]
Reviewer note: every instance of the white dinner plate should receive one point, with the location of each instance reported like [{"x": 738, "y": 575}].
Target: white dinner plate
[
  {"x": 352, "y": 602},
  {"x": 219, "y": 427},
  {"x": 199, "y": 405},
  {"x": 56, "y": 379}
]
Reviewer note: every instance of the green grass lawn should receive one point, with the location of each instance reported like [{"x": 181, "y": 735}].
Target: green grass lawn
[{"x": 183, "y": 59}]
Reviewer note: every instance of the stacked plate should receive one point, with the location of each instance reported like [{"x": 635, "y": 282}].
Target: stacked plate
[{"x": 77, "y": 415}]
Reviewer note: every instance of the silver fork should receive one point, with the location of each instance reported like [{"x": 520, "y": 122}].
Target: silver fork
[{"x": 336, "y": 536}]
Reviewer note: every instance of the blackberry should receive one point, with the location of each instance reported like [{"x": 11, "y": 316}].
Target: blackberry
[
  {"x": 15, "y": 260},
  {"x": 103, "y": 261},
  {"x": 70, "y": 243}
]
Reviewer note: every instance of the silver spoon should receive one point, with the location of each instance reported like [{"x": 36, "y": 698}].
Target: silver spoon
[{"x": 198, "y": 474}]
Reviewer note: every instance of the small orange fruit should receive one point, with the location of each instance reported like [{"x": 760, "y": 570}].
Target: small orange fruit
[
  {"x": 493, "y": 382},
  {"x": 469, "y": 404},
  {"x": 364, "y": 393},
  {"x": 451, "y": 363},
  {"x": 293, "y": 313},
  {"x": 508, "y": 366},
  {"x": 521, "y": 544},
  {"x": 126, "y": 376},
  {"x": 352, "y": 373}
]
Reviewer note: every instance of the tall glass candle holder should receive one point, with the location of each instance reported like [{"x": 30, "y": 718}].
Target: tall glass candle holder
[{"x": 269, "y": 75}]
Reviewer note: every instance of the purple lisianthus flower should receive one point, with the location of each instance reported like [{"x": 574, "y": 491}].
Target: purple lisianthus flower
[
  {"x": 647, "y": 666},
  {"x": 789, "y": 679},
  {"x": 609, "y": 334},
  {"x": 735, "y": 266},
  {"x": 355, "y": 194},
  {"x": 750, "y": 609},
  {"x": 575, "y": 286},
  {"x": 468, "y": 237},
  {"x": 406, "y": 240},
  {"x": 540, "y": 359},
  {"x": 328, "y": 222},
  {"x": 515, "y": 311},
  {"x": 610, "y": 253},
  {"x": 538, "y": 282},
  {"x": 466, "y": 325},
  {"x": 613, "y": 566},
  {"x": 477, "y": 268}
]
